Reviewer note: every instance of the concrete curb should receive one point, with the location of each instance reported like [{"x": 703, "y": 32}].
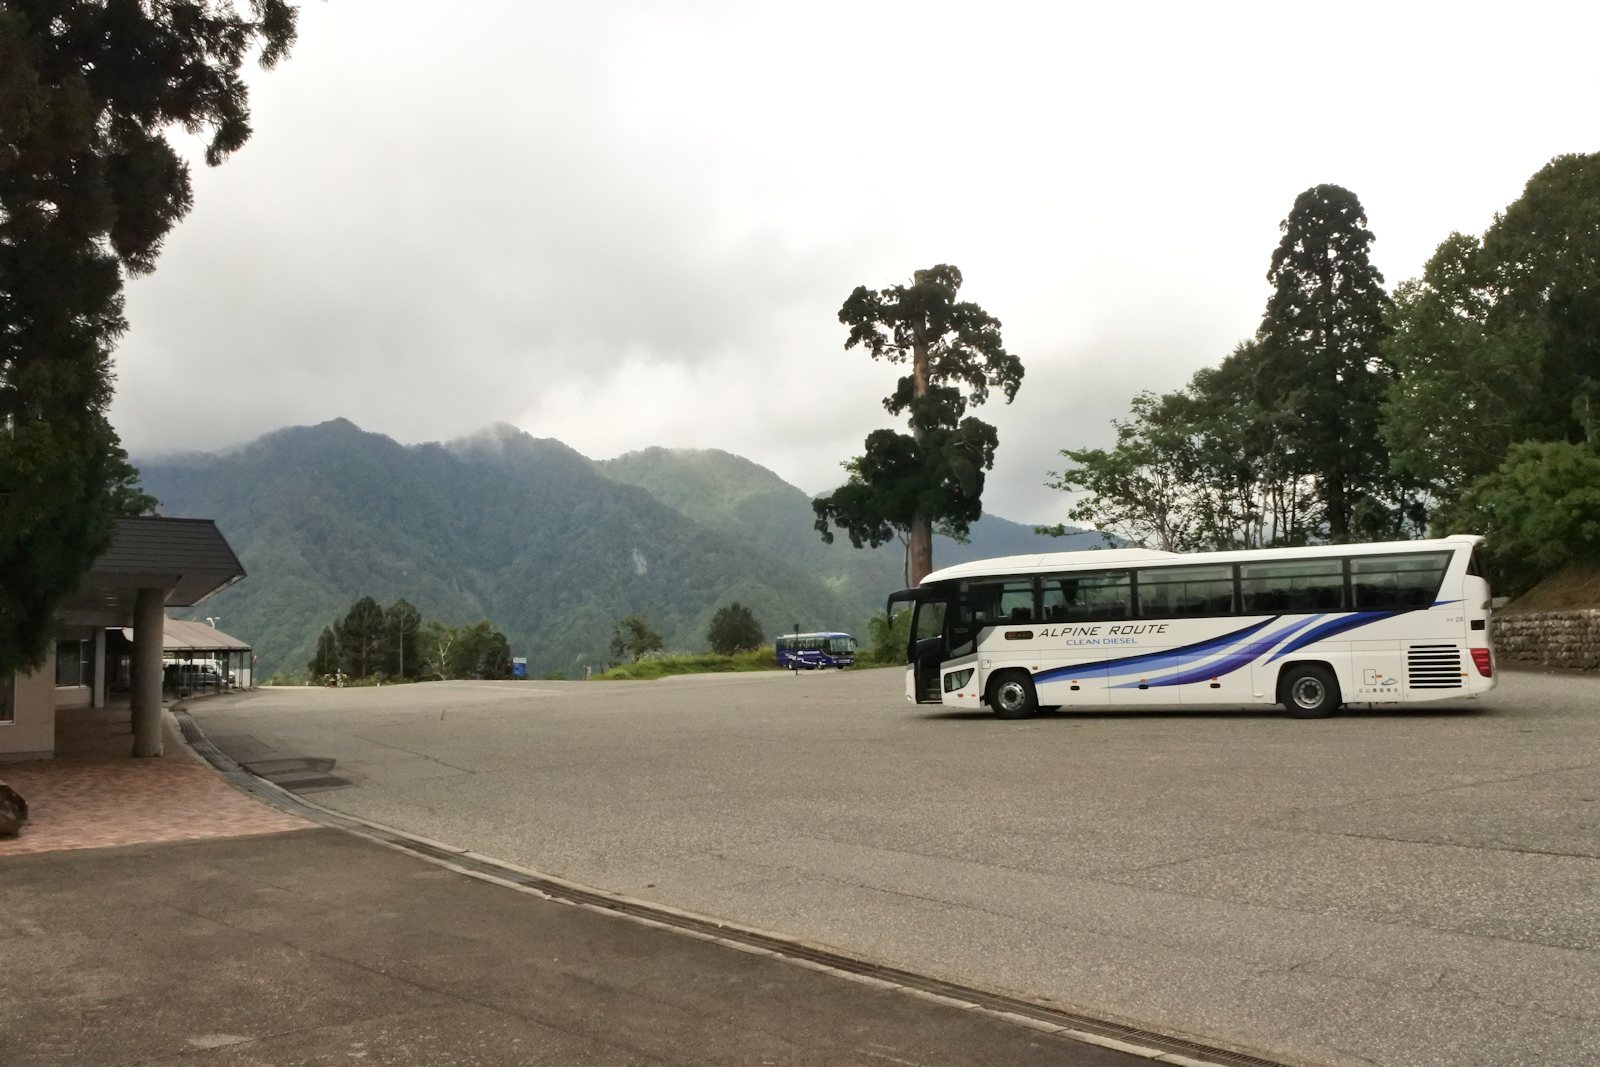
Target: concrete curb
[{"x": 1106, "y": 1033}]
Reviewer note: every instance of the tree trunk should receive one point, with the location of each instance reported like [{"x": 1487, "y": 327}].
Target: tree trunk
[
  {"x": 921, "y": 548},
  {"x": 1338, "y": 509},
  {"x": 920, "y": 545}
]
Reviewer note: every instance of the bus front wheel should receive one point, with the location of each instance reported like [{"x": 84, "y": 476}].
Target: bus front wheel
[
  {"x": 1309, "y": 691},
  {"x": 1012, "y": 695}
]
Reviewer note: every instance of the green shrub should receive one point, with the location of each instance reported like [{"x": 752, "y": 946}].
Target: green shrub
[{"x": 761, "y": 659}]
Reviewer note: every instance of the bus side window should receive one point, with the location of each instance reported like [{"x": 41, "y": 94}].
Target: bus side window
[
  {"x": 1053, "y": 602},
  {"x": 1089, "y": 597},
  {"x": 1397, "y": 582},
  {"x": 1290, "y": 586}
]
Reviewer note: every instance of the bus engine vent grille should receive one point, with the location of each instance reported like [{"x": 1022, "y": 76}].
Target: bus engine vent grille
[{"x": 1433, "y": 667}]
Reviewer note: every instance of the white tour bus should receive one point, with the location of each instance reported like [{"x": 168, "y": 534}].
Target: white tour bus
[{"x": 1310, "y": 628}]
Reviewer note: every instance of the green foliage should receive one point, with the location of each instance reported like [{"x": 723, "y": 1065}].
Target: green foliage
[
  {"x": 435, "y": 642},
  {"x": 1278, "y": 445},
  {"x": 401, "y": 621},
  {"x": 1321, "y": 376},
  {"x": 327, "y": 660},
  {"x": 89, "y": 188},
  {"x": 887, "y": 640},
  {"x": 761, "y": 659},
  {"x": 750, "y": 505},
  {"x": 526, "y": 533},
  {"x": 1499, "y": 341},
  {"x": 734, "y": 629},
  {"x": 370, "y": 641},
  {"x": 1539, "y": 509},
  {"x": 480, "y": 651},
  {"x": 904, "y": 484},
  {"x": 632, "y": 637},
  {"x": 361, "y": 639},
  {"x": 477, "y": 651},
  {"x": 1203, "y": 468}
]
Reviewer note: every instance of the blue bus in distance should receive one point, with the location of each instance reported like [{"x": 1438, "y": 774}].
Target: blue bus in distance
[{"x": 813, "y": 651}]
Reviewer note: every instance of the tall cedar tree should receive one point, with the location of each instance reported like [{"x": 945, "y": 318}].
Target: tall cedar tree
[
  {"x": 89, "y": 187},
  {"x": 906, "y": 483},
  {"x": 401, "y": 621},
  {"x": 361, "y": 638},
  {"x": 1321, "y": 369},
  {"x": 326, "y": 660}
]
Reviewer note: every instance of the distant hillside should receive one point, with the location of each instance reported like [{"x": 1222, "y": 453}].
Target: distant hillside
[
  {"x": 752, "y": 504},
  {"x": 526, "y": 533},
  {"x": 550, "y": 546}
]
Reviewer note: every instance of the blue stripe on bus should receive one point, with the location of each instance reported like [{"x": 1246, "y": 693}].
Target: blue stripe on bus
[
  {"x": 1155, "y": 660},
  {"x": 1227, "y": 664},
  {"x": 1331, "y": 627},
  {"x": 1299, "y": 634}
]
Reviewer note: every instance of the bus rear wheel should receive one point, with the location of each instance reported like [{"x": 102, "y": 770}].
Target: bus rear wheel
[
  {"x": 1309, "y": 691},
  {"x": 1012, "y": 696}
]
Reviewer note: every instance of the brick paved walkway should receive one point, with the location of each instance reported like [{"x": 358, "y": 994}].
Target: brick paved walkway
[{"x": 94, "y": 795}]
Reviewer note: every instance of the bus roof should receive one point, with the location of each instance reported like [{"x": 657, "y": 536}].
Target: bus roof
[
  {"x": 1093, "y": 560},
  {"x": 820, "y": 633}
]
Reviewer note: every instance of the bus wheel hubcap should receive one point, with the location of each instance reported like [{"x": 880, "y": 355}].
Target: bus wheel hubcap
[
  {"x": 1308, "y": 692},
  {"x": 1011, "y": 696}
]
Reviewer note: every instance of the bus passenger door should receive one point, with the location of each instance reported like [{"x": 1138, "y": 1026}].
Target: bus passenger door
[{"x": 927, "y": 652}]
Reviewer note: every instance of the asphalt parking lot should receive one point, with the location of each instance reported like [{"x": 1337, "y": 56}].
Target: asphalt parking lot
[{"x": 1397, "y": 887}]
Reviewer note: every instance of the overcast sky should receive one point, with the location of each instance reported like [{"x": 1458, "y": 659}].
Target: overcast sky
[{"x": 629, "y": 224}]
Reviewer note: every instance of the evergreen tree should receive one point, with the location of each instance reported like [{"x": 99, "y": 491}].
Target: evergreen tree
[
  {"x": 905, "y": 484},
  {"x": 326, "y": 660},
  {"x": 89, "y": 187},
  {"x": 400, "y": 623},
  {"x": 734, "y": 629},
  {"x": 361, "y": 642},
  {"x": 1321, "y": 372}
]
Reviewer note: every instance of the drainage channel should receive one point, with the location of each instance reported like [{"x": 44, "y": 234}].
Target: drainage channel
[{"x": 1158, "y": 1047}]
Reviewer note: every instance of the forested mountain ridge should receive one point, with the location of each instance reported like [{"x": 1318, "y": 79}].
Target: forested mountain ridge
[
  {"x": 746, "y": 500},
  {"x": 550, "y": 546}
]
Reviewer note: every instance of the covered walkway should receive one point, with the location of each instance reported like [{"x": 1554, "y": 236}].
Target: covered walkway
[{"x": 152, "y": 564}]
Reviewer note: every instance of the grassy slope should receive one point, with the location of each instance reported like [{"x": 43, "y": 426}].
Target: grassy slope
[{"x": 1574, "y": 588}]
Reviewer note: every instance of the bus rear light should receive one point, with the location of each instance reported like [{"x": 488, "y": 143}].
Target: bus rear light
[{"x": 1483, "y": 659}]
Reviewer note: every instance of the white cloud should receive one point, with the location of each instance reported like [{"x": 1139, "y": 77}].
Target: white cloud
[{"x": 625, "y": 224}]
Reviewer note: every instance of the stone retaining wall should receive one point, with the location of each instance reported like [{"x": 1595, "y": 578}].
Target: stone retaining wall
[{"x": 1550, "y": 639}]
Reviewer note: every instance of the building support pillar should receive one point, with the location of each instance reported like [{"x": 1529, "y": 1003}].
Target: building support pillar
[
  {"x": 97, "y": 690},
  {"x": 149, "y": 623}
]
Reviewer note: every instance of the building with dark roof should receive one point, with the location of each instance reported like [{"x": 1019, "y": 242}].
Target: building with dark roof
[{"x": 152, "y": 564}]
